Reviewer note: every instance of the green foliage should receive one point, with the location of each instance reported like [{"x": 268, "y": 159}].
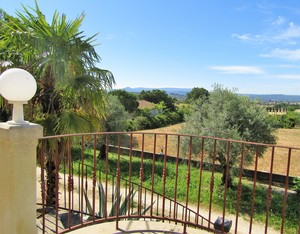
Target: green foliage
[
  {"x": 156, "y": 96},
  {"x": 119, "y": 205},
  {"x": 71, "y": 89},
  {"x": 196, "y": 93},
  {"x": 63, "y": 61},
  {"x": 296, "y": 186},
  {"x": 117, "y": 200},
  {"x": 226, "y": 115},
  {"x": 117, "y": 120},
  {"x": 144, "y": 119},
  {"x": 128, "y": 100},
  {"x": 166, "y": 112},
  {"x": 140, "y": 123},
  {"x": 4, "y": 113},
  {"x": 286, "y": 106},
  {"x": 116, "y": 116},
  {"x": 289, "y": 120},
  {"x": 261, "y": 193}
]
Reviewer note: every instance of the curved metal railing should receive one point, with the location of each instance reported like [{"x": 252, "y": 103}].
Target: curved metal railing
[{"x": 93, "y": 178}]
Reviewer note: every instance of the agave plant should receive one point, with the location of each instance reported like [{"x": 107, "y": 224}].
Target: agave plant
[{"x": 117, "y": 204}]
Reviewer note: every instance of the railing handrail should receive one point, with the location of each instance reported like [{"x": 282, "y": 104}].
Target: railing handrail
[{"x": 171, "y": 134}]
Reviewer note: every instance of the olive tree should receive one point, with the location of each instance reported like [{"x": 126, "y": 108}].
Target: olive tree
[{"x": 224, "y": 114}]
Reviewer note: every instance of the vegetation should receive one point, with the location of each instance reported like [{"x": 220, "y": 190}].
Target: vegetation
[
  {"x": 71, "y": 93},
  {"x": 296, "y": 186},
  {"x": 128, "y": 100},
  {"x": 195, "y": 94},
  {"x": 275, "y": 211},
  {"x": 116, "y": 116},
  {"x": 167, "y": 113},
  {"x": 283, "y": 106},
  {"x": 156, "y": 96},
  {"x": 118, "y": 204},
  {"x": 289, "y": 120},
  {"x": 143, "y": 118},
  {"x": 226, "y": 115},
  {"x": 71, "y": 89}
]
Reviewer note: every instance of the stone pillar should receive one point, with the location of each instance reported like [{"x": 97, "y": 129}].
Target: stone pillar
[{"x": 18, "y": 177}]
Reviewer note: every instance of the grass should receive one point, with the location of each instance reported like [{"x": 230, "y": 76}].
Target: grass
[{"x": 293, "y": 201}]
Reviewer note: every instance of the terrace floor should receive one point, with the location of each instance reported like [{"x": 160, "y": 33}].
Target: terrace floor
[{"x": 137, "y": 227}]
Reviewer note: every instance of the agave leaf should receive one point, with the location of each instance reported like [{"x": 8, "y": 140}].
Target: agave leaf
[
  {"x": 101, "y": 200},
  {"x": 145, "y": 210},
  {"x": 124, "y": 206},
  {"x": 88, "y": 204},
  {"x": 114, "y": 207}
]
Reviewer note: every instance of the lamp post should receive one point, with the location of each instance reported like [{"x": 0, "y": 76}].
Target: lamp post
[
  {"x": 18, "y": 87},
  {"x": 18, "y": 142}
]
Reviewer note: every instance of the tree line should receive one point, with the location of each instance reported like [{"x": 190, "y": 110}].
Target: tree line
[{"x": 172, "y": 111}]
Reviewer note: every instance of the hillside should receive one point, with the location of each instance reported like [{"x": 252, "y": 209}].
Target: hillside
[{"x": 181, "y": 93}]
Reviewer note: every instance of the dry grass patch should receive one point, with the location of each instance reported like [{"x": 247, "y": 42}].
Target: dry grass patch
[{"x": 286, "y": 138}]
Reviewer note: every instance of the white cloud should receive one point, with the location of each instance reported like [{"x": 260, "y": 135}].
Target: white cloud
[
  {"x": 243, "y": 37},
  {"x": 290, "y": 77},
  {"x": 292, "y": 32},
  {"x": 282, "y": 33},
  {"x": 279, "y": 21},
  {"x": 293, "y": 55},
  {"x": 238, "y": 69}
]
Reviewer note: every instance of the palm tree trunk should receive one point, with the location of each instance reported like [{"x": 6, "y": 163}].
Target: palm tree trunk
[{"x": 51, "y": 183}]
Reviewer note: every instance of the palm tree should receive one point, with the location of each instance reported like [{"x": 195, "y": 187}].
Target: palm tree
[{"x": 71, "y": 94}]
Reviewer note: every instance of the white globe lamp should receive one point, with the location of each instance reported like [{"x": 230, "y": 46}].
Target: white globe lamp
[{"x": 18, "y": 87}]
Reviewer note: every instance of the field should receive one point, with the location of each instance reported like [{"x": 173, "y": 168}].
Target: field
[{"x": 285, "y": 137}]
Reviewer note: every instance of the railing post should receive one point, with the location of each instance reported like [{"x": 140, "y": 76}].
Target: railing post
[{"x": 18, "y": 177}]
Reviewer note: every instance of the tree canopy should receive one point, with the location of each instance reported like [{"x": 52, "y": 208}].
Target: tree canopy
[
  {"x": 128, "y": 100},
  {"x": 230, "y": 116},
  {"x": 196, "y": 93},
  {"x": 71, "y": 89},
  {"x": 156, "y": 96},
  {"x": 71, "y": 94}
]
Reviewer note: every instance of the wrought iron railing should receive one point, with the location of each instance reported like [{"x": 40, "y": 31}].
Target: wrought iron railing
[{"x": 84, "y": 180}]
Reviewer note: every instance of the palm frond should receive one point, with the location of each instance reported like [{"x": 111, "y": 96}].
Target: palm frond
[{"x": 72, "y": 121}]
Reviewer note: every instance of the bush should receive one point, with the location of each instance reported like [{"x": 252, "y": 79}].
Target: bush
[
  {"x": 144, "y": 120},
  {"x": 140, "y": 123},
  {"x": 296, "y": 186},
  {"x": 290, "y": 120}
]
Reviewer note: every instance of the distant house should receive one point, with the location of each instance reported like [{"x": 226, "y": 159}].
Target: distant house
[{"x": 143, "y": 104}]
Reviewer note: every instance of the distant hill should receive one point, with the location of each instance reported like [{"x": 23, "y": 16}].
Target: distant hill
[
  {"x": 180, "y": 93},
  {"x": 274, "y": 97}
]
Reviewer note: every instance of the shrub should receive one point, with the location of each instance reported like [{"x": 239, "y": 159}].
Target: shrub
[{"x": 296, "y": 186}]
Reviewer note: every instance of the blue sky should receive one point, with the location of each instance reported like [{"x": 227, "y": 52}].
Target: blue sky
[{"x": 253, "y": 46}]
